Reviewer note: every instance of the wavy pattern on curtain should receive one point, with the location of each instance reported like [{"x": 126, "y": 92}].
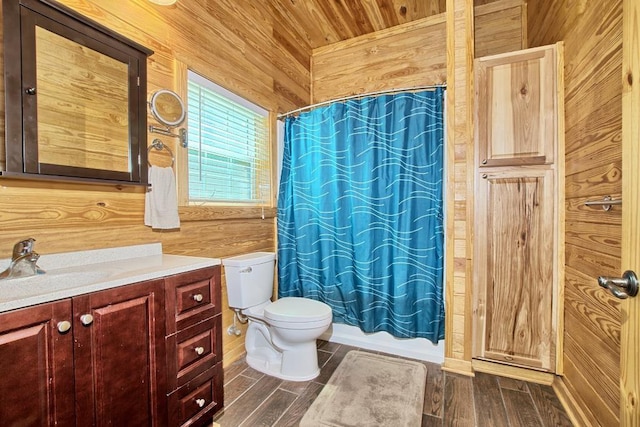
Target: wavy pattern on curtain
[{"x": 360, "y": 221}]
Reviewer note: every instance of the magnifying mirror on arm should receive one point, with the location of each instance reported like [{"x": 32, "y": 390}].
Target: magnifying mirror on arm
[{"x": 168, "y": 109}]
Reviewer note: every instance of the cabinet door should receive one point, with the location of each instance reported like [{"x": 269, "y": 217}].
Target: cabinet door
[
  {"x": 514, "y": 304},
  {"x": 517, "y": 108},
  {"x": 120, "y": 356},
  {"x": 36, "y": 366}
]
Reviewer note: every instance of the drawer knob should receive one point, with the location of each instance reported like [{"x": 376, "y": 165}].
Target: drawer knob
[
  {"x": 199, "y": 350},
  {"x": 64, "y": 326},
  {"x": 200, "y": 402},
  {"x": 198, "y": 298},
  {"x": 86, "y": 319}
]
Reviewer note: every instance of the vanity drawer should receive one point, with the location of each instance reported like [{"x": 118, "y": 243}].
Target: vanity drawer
[
  {"x": 197, "y": 401},
  {"x": 192, "y": 351},
  {"x": 197, "y": 347},
  {"x": 192, "y": 297}
]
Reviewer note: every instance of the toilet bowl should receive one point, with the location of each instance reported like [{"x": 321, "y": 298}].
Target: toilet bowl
[{"x": 281, "y": 337}]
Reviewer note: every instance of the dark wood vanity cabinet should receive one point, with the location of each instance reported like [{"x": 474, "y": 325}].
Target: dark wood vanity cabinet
[
  {"x": 145, "y": 354},
  {"x": 95, "y": 359},
  {"x": 194, "y": 346}
]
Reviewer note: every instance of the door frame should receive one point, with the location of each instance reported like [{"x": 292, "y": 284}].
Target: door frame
[{"x": 630, "y": 308}]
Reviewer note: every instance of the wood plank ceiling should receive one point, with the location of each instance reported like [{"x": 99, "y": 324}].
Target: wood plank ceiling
[{"x": 322, "y": 22}]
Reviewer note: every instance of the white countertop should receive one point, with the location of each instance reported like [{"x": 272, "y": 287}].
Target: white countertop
[{"x": 76, "y": 273}]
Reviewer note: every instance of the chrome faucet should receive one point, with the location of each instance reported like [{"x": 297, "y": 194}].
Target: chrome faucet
[{"x": 23, "y": 261}]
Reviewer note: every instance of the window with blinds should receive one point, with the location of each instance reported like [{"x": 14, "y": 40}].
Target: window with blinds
[{"x": 229, "y": 159}]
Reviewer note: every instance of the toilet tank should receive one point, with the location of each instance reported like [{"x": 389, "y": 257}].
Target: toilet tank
[{"x": 249, "y": 279}]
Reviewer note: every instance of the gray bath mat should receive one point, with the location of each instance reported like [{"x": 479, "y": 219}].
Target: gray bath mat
[{"x": 370, "y": 390}]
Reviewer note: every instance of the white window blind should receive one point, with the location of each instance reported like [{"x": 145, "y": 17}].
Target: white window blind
[{"x": 229, "y": 158}]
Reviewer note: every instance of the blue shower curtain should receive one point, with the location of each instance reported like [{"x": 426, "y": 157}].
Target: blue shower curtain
[{"x": 360, "y": 221}]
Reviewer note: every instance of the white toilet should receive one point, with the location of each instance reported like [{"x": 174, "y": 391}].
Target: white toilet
[{"x": 281, "y": 338}]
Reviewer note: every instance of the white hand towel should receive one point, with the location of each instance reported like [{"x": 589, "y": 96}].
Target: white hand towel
[{"x": 161, "y": 200}]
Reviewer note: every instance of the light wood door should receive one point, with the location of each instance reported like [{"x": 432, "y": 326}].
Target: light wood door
[
  {"x": 630, "y": 309},
  {"x": 515, "y": 250},
  {"x": 517, "y": 108}
]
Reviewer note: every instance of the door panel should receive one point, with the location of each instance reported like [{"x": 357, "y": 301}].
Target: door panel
[
  {"x": 37, "y": 367},
  {"x": 119, "y": 348},
  {"x": 515, "y": 267},
  {"x": 517, "y": 108}
]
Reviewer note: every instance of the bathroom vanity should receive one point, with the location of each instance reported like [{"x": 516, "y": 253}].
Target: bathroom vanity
[{"x": 136, "y": 340}]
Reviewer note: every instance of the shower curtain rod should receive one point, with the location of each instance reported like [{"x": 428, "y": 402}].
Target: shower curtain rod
[{"x": 362, "y": 95}]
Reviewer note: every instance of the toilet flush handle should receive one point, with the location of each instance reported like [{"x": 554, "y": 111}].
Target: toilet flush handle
[{"x": 246, "y": 270}]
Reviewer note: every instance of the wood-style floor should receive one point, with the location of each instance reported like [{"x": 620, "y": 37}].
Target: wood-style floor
[{"x": 254, "y": 399}]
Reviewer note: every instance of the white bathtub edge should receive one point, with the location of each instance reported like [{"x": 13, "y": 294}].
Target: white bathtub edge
[{"x": 416, "y": 348}]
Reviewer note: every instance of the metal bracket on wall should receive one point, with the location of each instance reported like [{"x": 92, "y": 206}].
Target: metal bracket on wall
[
  {"x": 182, "y": 134},
  {"x": 606, "y": 203}
]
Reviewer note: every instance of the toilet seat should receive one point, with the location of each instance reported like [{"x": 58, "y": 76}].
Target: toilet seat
[{"x": 297, "y": 313}]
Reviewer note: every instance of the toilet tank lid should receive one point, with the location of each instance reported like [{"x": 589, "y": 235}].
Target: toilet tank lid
[
  {"x": 299, "y": 310},
  {"x": 252, "y": 258}
]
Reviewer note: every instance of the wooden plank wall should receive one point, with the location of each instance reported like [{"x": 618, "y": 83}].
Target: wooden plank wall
[
  {"x": 415, "y": 54},
  {"x": 499, "y": 27},
  {"x": 407, "y": 55},
  {"x": 244, "y": 46},
  {"x": 592, "y": 32}
]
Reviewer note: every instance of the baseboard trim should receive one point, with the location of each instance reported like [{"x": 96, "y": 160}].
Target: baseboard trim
[
  {"x": 513, "y": 372},
  {"x": 571, "y": 407},
  {"x": 457, "y": 366},
  {"x": 415, "y": 348}
]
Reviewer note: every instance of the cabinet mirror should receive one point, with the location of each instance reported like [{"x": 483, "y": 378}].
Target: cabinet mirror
[{"x": 75, "y": 96}]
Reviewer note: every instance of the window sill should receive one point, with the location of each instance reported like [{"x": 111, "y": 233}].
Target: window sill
[{"x": 210, "y": 213}]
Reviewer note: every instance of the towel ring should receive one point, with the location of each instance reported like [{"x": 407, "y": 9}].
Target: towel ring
[{"x": 159, "y": 146}]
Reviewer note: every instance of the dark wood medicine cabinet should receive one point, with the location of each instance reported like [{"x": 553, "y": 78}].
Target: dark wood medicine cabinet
[{"x": 75, "y": 97}]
